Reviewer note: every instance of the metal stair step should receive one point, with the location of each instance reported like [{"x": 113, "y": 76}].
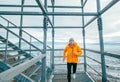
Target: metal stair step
[
  {"x": 3, "y": 66},
  {"x": 13, "y": 56},
  {"x": 2, "y": 39},
  {"x": 13, "y": 46},
  {"x": 18, "y": 61},
  {"x": 37, "y": 77},
  {"x": 33, "y": 69},
  {"x": 23, "y": 78}
]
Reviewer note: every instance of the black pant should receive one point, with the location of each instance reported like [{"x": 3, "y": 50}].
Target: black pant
[{"x": 69, "y": 65}]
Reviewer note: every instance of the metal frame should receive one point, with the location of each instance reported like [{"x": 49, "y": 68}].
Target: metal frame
[{"x": 46, "y": 20}]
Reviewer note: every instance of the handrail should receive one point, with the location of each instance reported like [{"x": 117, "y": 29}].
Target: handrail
[
  {"x": 14, "y": 71},
  {"x": 8, "y": 21},
  {"x": 23, "y": 31},
  {"x": 94, "y": 51},
  {"x": 35, "y": 38},
  {"x": 94, "y": 70},
  {"x": 106, "y": 53},
  {"x": 95, "y": 60},
  {"x": 21, "y": 38}
]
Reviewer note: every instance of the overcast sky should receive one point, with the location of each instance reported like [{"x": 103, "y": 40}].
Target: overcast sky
[{"x": 111, "y": 21}]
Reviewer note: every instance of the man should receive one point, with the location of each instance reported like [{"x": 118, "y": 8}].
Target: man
[{"x": 71, "y": 53}]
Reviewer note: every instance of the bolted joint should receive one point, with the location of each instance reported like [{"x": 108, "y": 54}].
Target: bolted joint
[
  {"x": 53, "y": 32},
  {"x": 45, "y": 22},
  {"x": 43, "y": 51},
  {"x": 99, "y": 23},
  {"x": 23, "y": 2},
  {"x": 83, "y": 32}
]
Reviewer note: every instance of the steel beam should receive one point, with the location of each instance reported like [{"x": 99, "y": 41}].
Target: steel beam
[
  {"x": 36, "y": 6},
  {"x": 113, "y": 2},
  {"x": 49, "y": 13},
  {"x": 84, "y": 3},
  {"x": 56, "y": 27},
  {"x": 76, "y": 7},
  {"x": 44, "y": 10},
  {"x": 89, "y": 22},
  {"x": 41, "y": 6}
]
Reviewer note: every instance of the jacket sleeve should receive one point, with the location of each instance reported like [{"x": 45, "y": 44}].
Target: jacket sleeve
[
  {"x": 64, "y": 53},
  {"x": 79, "y": 51}
]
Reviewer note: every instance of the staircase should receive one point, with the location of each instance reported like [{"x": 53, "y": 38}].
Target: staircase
[{"x": 13, "y": 57}]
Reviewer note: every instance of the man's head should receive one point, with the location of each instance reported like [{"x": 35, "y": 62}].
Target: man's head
[{"x": 71, "y": 41}]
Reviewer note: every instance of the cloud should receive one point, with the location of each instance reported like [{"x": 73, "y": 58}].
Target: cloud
[
  {"x": 67, "y": 2},
  {"x": 115, "y": 34},
  {"x": 67, "y": 21}
]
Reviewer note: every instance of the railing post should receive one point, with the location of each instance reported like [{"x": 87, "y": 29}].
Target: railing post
[
  {"x": 43, "y": 77},
  {"x": 5, "y": 60},
  {"x": 30, "y": 43},
  {"x": 85, "y": 64},
  {"x": 100, "y": 29}
]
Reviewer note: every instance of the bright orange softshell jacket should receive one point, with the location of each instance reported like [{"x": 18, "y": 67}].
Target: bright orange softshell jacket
[{"x": 68, "y": 53}]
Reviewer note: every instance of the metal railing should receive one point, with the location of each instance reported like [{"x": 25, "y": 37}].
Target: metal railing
[
  {"x": 14, "y": 71},
  {"x": 31, "y": 37},
  {"x": 91, "y": 68},
  {"x": 46, "y": 19},
  {"x": 97, "y": 72}
]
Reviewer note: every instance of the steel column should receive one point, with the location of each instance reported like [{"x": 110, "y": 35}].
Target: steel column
[
  {"x": 53, "y": 2},
  {"x": 85, "y": 65},
  {"x": 45, "y": 41},
  {"x": 21, "y": 24},
  {"x": 100, "y": 29}
]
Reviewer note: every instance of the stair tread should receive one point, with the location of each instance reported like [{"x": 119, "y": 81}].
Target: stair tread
[
  {"x": 18, "y": 61},
  {"x": 34, "y": 69}
]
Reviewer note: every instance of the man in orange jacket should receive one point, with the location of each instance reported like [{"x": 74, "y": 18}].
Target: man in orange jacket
[{"x": 71, "y": 53}]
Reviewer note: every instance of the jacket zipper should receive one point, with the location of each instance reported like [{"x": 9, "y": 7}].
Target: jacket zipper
[{"x": 72, "y": 54}]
